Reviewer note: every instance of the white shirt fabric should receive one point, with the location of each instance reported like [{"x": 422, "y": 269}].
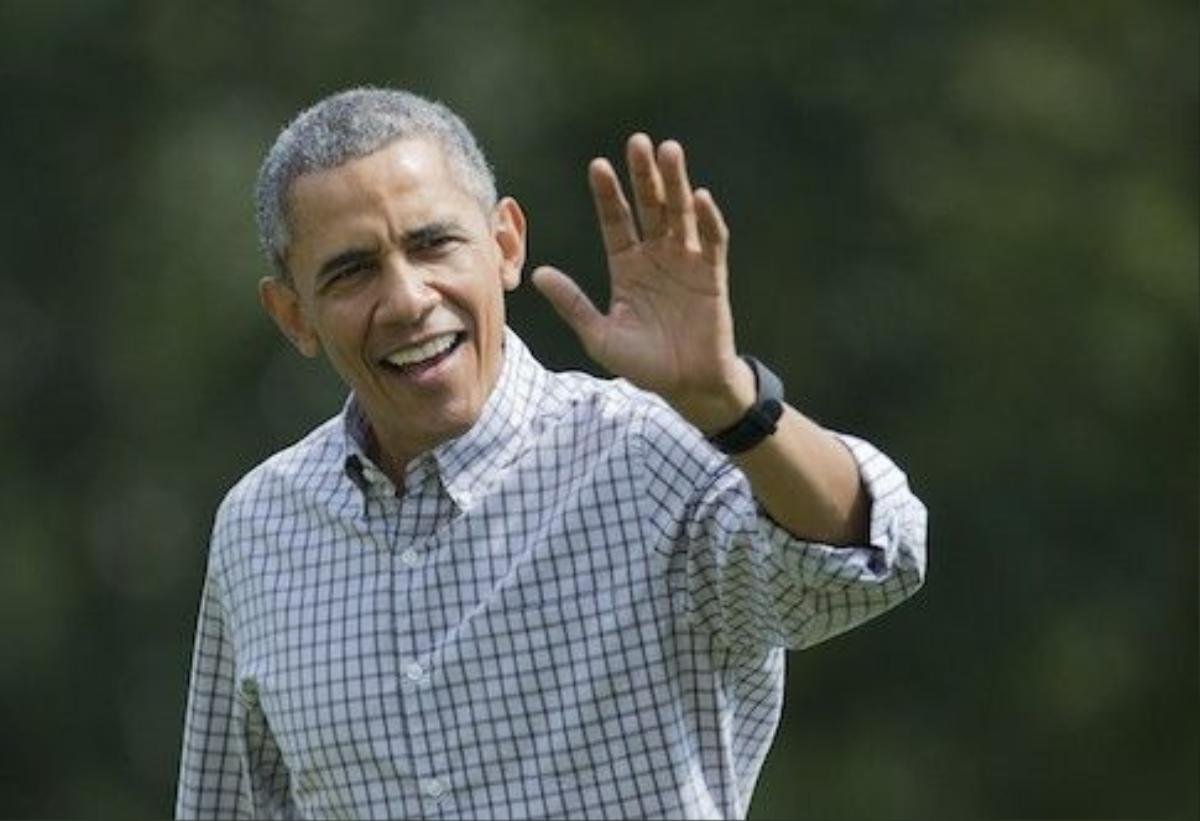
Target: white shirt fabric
[{"x": 575, "y": 610}]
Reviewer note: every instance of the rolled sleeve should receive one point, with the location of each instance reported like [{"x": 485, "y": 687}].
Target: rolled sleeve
[
  {"x": 741, "y": 577},
  {"x": 845, "y": 586}
]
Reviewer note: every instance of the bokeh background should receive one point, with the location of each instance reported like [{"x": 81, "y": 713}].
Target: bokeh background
[{"x": 967, "y": 231}]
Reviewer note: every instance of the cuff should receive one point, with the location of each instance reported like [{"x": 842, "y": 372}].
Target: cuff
[
  {"x": 895, "y": 530},
  {"x": 892, "y": 503}
]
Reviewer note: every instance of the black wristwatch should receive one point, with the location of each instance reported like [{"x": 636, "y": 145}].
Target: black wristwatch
[{"x": 759, "y": 421}]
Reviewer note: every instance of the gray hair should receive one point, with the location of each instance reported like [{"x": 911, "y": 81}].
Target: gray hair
[{"x": 349, "y": 125}]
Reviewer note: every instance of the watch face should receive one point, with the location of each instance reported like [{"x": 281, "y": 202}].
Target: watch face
[{"x": 768, "y": 385}]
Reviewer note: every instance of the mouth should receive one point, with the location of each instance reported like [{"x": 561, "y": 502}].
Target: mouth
[{"x": 421, "y": 358}]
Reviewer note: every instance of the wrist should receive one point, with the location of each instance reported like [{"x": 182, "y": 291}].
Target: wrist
[
  {"x": 717, "y": 408},
  {"x": 760, "y": 420}
]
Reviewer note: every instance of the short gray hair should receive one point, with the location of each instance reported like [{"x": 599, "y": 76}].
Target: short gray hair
[{"x": 352, "y": 124}]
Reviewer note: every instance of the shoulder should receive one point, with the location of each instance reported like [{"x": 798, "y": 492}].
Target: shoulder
[
  {"x": 273, "y": 486},
  {"x": 579, "y": 393},
  {"x": 616, "y": 408},
  {"x": 588, "y": 402}
]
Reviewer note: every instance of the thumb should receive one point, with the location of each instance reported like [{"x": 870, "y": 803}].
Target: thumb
[{"x": 571, "y": 303}]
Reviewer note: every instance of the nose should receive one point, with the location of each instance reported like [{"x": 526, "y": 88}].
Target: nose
[{"x": 406, "y": 296}]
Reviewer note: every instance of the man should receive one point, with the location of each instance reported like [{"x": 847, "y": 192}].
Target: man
[{"x": 485, "y": 590}]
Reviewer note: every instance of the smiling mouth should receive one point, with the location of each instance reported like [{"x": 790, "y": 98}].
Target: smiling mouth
[{"x": 417, "y": 359}]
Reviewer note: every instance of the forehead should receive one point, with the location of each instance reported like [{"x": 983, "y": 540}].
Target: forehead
[{"x": 402, "y": 184}]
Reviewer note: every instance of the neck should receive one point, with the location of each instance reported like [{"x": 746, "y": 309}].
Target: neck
[{"x": 389, "y": 460}]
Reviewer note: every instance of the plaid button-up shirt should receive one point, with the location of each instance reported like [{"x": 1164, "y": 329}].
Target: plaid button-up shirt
[{"x": 575, "y": 610}]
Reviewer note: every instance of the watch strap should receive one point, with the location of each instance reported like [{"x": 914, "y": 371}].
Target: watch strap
[{"x": 760, "y": 421}]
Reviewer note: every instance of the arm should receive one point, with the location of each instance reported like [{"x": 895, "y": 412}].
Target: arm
[
  {"x": 231, "y": 766},
  {"x": 744, "y": 578},
  {"x": 807, "y": 482},
  {"x": 669, "y": 330}
]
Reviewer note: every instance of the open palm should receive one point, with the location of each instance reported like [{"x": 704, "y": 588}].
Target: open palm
[{"x": 669, "y": 326}]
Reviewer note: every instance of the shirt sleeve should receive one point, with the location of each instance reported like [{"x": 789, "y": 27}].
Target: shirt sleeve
[
  {"x": 745, "y": 579},
  {"x": 231, "y": 766}
]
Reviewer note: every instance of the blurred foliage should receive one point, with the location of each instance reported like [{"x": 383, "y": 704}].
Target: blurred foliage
[{"x": 967, "y": 231}]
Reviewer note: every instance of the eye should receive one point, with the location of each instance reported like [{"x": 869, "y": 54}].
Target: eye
[
  {"x": 347, "y": 273},
  {"x": 438, "y": 243},
  {"x": 356, "y": 267}
]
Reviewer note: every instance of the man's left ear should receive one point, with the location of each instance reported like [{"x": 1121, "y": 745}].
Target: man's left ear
[{"x": 508, "y": 228}]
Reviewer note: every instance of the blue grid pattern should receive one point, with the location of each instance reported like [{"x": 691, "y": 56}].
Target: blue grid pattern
[{"x": 576, "y": 610}]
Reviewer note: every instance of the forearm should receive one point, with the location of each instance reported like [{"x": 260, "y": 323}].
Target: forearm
[
  {"x": 808, "y": 482},
  {"x": 802, "y": 475}
]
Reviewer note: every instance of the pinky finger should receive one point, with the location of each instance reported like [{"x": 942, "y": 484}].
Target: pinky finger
[{"x": 714, "y": 234}]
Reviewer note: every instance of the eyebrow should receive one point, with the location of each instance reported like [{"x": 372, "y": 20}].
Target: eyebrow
[
  {"x": 415, "y": 238},
  {"x": 422, "y": 235}
]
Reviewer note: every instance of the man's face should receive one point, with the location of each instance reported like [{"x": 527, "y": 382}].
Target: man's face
[{"x": 399, "y": 274}]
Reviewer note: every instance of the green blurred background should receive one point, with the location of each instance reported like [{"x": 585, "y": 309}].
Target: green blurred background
[{"x": 967, "y": 231}]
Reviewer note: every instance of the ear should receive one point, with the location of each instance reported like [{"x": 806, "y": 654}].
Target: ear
[
  {"x": 281, "y": 301},
  {"x": 508, "y": 229}
]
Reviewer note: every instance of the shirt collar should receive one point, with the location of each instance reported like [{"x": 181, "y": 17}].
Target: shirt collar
[{"x": 471, "y": 463}]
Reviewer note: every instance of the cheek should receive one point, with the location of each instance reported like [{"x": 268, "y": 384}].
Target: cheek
[
  {"x": 343, "y": 320},
  {"x": 342, "y": 333},
  {"x": 491, "y": 297},
  {"x": 482, "y": 300}
]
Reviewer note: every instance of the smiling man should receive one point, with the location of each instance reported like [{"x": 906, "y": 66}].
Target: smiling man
[
  {"x": 486, "y": 590},
  {"x": 397, "y": 272}
]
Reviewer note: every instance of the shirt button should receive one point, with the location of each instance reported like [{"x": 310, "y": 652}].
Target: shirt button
[
  {"x": 466, "y": 499},
  {"x": 414, "y": 671},
  {"x": 410, "y": 557},
  {"x": 434, "y": 787}
]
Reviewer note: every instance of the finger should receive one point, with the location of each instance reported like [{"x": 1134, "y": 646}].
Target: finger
[
  {"x": 680, "y": 209},
  {"x": 648, "y": 194},
  {"x": 714, "y": 234},
  {"x": 571, "y": 303},
  {"x": 612, "y": 209}
]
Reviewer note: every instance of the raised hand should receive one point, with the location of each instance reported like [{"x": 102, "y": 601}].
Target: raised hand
[{"x": 669, "y": 327}]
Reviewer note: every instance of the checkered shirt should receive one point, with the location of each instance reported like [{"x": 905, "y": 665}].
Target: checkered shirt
[{"x": 575, "y": 610}]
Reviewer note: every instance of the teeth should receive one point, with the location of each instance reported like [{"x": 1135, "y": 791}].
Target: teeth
[{"x": 419, "y": 353}]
